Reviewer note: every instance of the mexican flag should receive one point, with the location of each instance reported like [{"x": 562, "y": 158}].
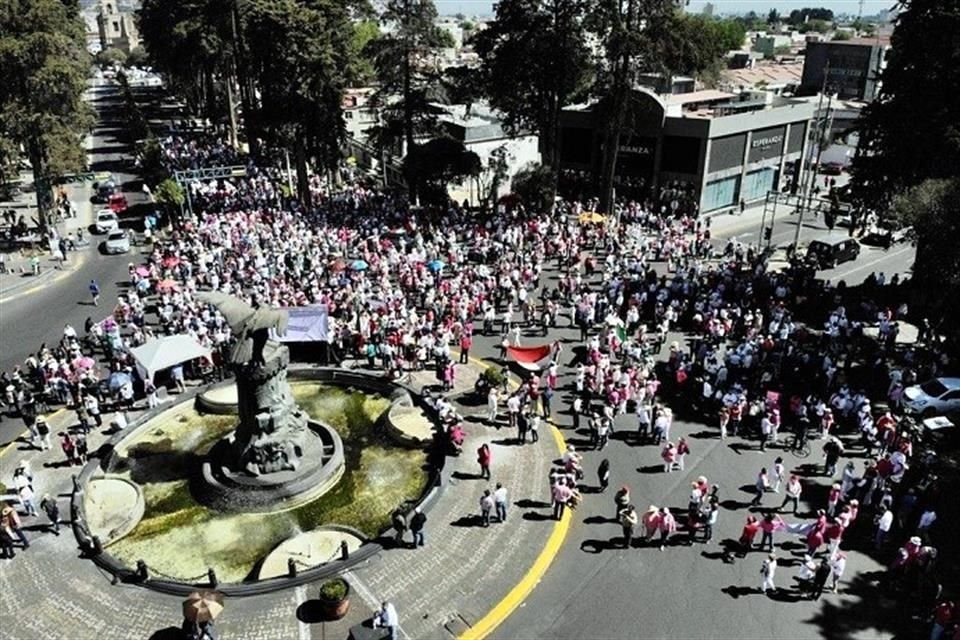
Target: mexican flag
[{"x": 531, "y": 358}]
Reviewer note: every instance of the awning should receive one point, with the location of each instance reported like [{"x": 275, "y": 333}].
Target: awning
[{"x": 162, "y": 353}]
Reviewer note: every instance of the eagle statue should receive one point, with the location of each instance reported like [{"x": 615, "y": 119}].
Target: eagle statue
[{"x": 250, "y": 325}]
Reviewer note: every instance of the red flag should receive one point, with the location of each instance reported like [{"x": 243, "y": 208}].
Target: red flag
[{"x": 531, "y": 358}]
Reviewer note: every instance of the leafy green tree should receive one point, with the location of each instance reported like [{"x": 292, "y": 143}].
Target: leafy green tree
[
  {"x": 110, "y": 57},
  {"x": 911, "y": 132},
  {"x": 773, "y": 18},
  {"x": 799, "y": 16},
  {"x": 815, "y": 26},
  {"x": 536, "y": 185},
  {"x": 432, "y": 166},
  {"x": 932, "y": 208},
  {"x": 909, "y": 156},
  {"x": 170, "y": 195},
  {"x": 137, "y": 58},
  {"x": 841, "y": 36},
  {"x": 407, "y": 82},
  {"x": 463, "y": 85},
  {"x": 642, "y": 35},
  {"x": 535, "y": 62},
  {"x": 364, "y": 32},
  {"x": 45, "y": 66},
  {"x": 299, "y": 59}
]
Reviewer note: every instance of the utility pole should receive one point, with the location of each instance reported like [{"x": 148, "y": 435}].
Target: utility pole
[{"x": 811, "y": 175}]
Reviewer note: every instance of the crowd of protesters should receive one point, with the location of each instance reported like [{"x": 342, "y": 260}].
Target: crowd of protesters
[{"x": 774, "y": 359}]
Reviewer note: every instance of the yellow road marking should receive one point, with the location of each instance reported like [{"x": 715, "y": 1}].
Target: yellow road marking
[
  {"x": 520, "y": 591},
  {"x": 74, "y": 266},
  {"x": 26, "y": 432},
  {"x": 486, "y": 625}
]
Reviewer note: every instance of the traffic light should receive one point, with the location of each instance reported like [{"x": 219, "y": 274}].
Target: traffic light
[{"x": 768, "y": 233}]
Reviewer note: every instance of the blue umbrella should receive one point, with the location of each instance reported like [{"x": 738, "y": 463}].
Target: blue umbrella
[
  {"x": 118, "y": 379},
  {"x": 435, "y": 265},
  {"x": 359, "y": 265}
]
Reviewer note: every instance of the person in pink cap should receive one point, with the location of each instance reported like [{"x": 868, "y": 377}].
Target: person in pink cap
[
  {"x": 669, "y": 455},
  {"x": 651, "y": 523}
]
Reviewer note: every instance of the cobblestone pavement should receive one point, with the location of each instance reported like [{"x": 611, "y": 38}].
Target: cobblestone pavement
[{"x": 438, "y": 589}]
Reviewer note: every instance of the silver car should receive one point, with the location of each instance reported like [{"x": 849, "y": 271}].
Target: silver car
[
  {"x": 934, "y": 397},
  {"x": 117, "y": 242}
]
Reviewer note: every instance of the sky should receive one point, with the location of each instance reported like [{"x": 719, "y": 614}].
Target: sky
[{"x": 870, "y": 7}]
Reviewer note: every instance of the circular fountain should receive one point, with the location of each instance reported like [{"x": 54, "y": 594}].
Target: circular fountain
[{"x": 294, "y": 464}]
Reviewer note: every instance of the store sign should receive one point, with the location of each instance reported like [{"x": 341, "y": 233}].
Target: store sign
[
  {"x": 640, "y": 150},
  {"x": 764, "y": 142}
]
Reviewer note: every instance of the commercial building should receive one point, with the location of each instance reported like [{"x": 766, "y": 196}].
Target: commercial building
[
  {"x": 852, "y": 66},
  {"x": 722, "y": 147}
]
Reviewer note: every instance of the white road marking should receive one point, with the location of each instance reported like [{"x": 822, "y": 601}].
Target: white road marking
[
  {"x": 885, "y": 256},
  {"x": 304, "y": 628},
  {"x": 357, "y": 584}
]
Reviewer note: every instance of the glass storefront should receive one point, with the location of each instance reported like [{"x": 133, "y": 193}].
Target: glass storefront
[
  {"x": 757, "y": 183},
  {"x": 719, "y": 194}
]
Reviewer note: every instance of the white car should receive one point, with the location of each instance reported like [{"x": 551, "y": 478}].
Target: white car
[
  {"x": 934, "y": 397},
  {"x": 117, "y": 242},
  {"x": 106, "y": 221}
]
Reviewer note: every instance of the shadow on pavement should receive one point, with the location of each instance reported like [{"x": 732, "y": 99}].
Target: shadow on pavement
[
  {"x": 598, "y": 546},
  {"x": 169, "y": 633}
]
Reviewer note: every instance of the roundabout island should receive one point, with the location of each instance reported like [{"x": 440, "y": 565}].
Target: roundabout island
[{"x": 257, "y": 479}]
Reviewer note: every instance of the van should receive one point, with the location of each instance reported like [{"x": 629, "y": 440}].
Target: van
[{"x": 829, "y": 252}]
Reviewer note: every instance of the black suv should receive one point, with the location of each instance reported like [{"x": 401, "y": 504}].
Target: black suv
[{"x": 828, "y": 253}]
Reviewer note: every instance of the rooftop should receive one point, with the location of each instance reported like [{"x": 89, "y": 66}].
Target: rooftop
[{"x": 771, "y": 74}]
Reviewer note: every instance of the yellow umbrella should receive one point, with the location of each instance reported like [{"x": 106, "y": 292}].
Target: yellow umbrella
[
  {"x": 588, "y": 217},
  {"x": 203, "y": 606}
]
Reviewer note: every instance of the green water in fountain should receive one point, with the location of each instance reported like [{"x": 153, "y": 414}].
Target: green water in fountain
[{"x": 180, "y": 538}]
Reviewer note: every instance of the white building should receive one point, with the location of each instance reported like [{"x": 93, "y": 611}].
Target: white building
[{"x": 481, "y": 131}]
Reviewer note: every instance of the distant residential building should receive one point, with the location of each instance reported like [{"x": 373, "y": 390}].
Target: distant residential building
[
  {"x": 768, "y": 44},
  {"x": 852, "y": 66},
  {"x": 358, "y": 114},
  {"x": 118, "y": 28}
]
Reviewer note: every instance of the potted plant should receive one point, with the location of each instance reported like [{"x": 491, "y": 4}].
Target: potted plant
[{"x": 335, "y": 597}]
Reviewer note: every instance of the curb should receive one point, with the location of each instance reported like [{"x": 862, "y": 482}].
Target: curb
[{"x": 520, "y": 591}]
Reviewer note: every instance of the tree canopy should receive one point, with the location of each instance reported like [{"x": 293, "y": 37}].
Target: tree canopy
[
  {"x": 909, "y": 160},
  {"x": 45, "y": 66},
  {"x": 549, "y": 37}
]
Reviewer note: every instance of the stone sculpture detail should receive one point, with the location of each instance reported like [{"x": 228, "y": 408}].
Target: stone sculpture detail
[{"x": 272, "y": 430}]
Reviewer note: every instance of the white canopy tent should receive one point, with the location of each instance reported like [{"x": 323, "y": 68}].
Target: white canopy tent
[{"x": 162, "y": 353}]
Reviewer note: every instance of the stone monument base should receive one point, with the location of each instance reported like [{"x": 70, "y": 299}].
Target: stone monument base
[{"x": 224, "y": 489}]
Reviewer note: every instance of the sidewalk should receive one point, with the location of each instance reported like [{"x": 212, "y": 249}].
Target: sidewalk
[
  {"x": 439, "y": 590},
  {"x": 18, "y": 276}
]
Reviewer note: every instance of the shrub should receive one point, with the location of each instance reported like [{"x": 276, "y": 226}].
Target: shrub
[{"x": 334, "y": 590}]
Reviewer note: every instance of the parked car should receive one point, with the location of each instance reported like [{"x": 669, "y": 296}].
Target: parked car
[
  {"x": 831, "y": 168},
  {"x": 106, "y": 221},
  {"x": 829, "y": 252},
  {"x": 104, "y": 189},
  {"x": 117, "y": 242},
  {"x": 117, "y": 203},
  {"x": 934, "y": 397}
]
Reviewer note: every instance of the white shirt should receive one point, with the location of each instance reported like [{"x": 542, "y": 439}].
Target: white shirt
[
  {"x": 927, "y": 519},
  {"x": 500, "y": 495},
  {"x": 886, "y": 521}
]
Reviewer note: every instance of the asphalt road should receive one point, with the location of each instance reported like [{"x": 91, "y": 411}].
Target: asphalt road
[
  {"x": 28, "y": 321},
  {"x": 746, "y": 228}
]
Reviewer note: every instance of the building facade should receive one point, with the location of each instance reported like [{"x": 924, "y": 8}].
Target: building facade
[
  {"x": 721, "y": 147},
  {"x": 118, "y": 29},
  {"x": 852, "y": 68}
]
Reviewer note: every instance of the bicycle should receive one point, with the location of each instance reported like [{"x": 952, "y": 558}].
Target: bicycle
[{"x": 800, "y": 449}]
